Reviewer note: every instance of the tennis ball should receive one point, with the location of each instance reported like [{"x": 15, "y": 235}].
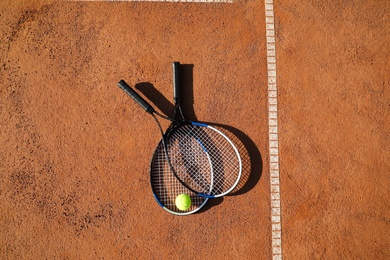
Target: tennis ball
[{"x": 183, "y": 202}]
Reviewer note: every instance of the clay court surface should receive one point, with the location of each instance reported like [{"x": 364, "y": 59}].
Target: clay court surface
[{"x": 75, "y": 150}]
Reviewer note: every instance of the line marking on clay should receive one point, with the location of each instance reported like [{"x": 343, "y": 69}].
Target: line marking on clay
[
  {"x": 167, "y": 1},
  {"x": 276, "y": 216}
]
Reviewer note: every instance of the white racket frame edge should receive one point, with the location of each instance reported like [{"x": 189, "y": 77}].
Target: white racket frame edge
[{"x": 238, "y": 157}]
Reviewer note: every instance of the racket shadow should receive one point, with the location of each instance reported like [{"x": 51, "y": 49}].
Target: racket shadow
[
  {"x": 166, "y": 106},
  {"x": 252, "y": 162},
  {"x": 155, "y": 96}
]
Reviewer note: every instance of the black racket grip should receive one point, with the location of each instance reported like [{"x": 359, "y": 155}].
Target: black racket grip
[
  {"x": 126, "y": 88},
  {"x": 176, "y": 81}
]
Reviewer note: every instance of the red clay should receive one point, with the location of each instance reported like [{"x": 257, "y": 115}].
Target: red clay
[{"x": 75, "y": 150}]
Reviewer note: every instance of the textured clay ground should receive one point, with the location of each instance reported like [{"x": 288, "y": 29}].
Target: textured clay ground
[{"x": 75, "y": 150}]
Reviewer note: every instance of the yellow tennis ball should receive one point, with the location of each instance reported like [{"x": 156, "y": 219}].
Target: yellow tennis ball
[{"x": 183, "y": 202}]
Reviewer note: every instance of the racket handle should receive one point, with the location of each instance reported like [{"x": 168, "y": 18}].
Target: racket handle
[
  {"x": 126, "y": 88},
  {"x": 176, "y": 81}
]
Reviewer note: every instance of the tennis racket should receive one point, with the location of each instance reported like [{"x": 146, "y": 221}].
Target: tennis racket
[
  {"x": 165, "y": 186},
  {"x": 200, "y": 156}
]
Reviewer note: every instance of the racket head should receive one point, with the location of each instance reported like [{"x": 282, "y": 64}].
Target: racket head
[
  {"x": 203, "y": 158},
  {"x": 166, "y": 187}
]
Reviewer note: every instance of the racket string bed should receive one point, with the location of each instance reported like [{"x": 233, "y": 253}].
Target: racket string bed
[
  {"x": 227, "y": 166},
  {"x": 204, "y": 159},
  {"x": 166, "y": 187},
  {"x": 189, "y": 162}
]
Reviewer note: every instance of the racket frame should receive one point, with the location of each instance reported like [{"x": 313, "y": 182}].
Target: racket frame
[{"x": 175, "y": 124}]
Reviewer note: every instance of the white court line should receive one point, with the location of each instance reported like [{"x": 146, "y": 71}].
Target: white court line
[
  {"x": 168, "y": 1},
  {"x": 276, "y": 216}
]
